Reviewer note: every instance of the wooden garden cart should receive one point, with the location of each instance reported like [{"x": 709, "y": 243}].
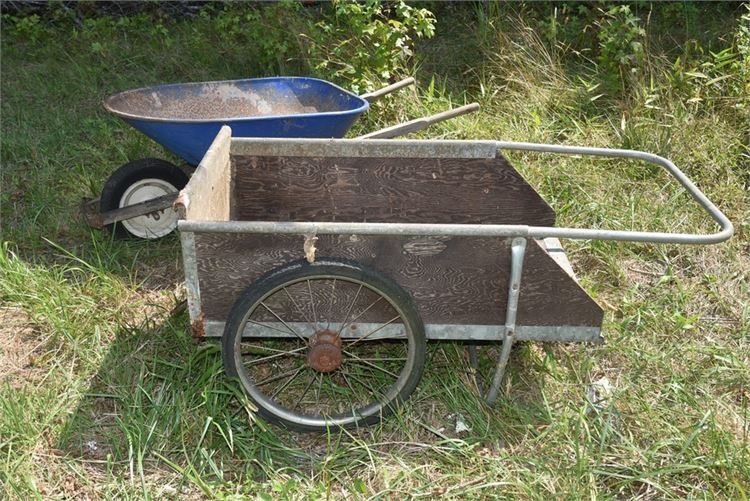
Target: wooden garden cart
[{"x": 326, "y": 265}]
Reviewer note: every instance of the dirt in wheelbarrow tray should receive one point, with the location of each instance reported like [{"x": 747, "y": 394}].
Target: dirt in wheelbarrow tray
[{"x": 211, "y": 102}]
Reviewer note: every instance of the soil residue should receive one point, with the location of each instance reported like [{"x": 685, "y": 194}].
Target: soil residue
[
  {"x": 220, "y": 101},
  {"x": 20, "y": 346}
]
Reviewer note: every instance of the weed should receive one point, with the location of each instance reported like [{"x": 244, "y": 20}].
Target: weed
[
  {"x": 368, "y": 42},
  {"x": 620, "y": 43}
]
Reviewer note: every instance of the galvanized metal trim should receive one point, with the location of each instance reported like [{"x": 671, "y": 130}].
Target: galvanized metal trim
[
  {"x": 436, "y": 332},
  {"x": 190, "y": 262},
  {"x": 517, "y": 253},
  {"x": 561, "y": 333},
  {"x": 304, "y": 228},
  {"x": 502, "y": 364},
  {"x": 555, "y": 250},
  {"x": 379, "y": 148},
  {"x": 449, "y": 230}
]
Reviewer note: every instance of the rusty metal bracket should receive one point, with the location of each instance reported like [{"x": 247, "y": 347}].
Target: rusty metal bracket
[{"x": 90, "y": 210}]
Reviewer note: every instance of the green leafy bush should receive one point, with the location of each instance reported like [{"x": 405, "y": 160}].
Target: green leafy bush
[
  {"x": 568, "y": 23},
  {"x": 268, "y": 32},
  {"x": 742, "y": 65},
  {"x": 356, "y": 44},
  {"x": 620, "y": 44},
  {"x": 702, "y": 79},
  {"x": 25, "y": 27},
  {"x": 364, "y": 43}
]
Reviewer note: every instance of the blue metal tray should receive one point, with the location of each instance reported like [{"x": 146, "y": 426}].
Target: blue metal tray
[{"x": 186, "y": 117}]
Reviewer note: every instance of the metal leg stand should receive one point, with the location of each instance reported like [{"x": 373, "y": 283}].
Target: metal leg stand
[{"x": 518, "y": 249}]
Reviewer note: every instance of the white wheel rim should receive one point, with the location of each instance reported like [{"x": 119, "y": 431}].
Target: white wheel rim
[{"x": 158, "y": 223}]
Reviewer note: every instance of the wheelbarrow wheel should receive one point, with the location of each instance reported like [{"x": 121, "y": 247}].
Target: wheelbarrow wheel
[
  {"x": 331, "y": 344},
  {"x": 138, "y": 181}
]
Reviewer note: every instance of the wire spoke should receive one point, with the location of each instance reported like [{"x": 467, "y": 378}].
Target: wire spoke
[
  {"x": 304, "y": 392},
  {"x": 282, "y": 321},
  {"x": 272, "y": 350},
  {"x": 363, "y": 384},
  {"x": 274, "y": 378},
  {"x": 312, "y": 303},
  {"x": 382, "y": 359},
  {"x": 330, "y": 304},
  {"x": 346, "y": 380},
  {"x": 296, "y": 305},
  {"x": 331, "y": 397},
  {"x": 372, "y": 331},
  {"x": 349, "y": 311},
  {"x": 287, "y": 382},
  {"x": 267, "y": 326},
  {"x": 357, "y": 359},
  {"x": 366, "y": 309},
  {"x": 317, "y": 393},
  {"x": 276, "y": 355}
]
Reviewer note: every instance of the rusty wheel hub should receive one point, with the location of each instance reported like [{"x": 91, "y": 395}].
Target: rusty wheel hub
[{"x": 324, "y": 351}]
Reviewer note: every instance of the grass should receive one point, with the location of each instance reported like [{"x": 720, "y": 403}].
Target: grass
[{"x": 103, "y": 394}]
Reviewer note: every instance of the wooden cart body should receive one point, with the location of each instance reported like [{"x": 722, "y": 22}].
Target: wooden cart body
[
  {"x": 452, "y": 223},
  {"x": 459, "y": 283}
]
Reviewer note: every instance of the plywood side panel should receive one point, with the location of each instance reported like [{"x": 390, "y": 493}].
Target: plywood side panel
[
  {"x": 377, "y": 189},
  {"x": 452, "y": 280}
]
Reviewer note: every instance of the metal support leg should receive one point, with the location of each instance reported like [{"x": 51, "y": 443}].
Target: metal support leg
[{"x": 518, "y": 249}]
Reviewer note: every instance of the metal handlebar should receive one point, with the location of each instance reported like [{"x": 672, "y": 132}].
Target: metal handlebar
[{"x": 727, "y": 229}]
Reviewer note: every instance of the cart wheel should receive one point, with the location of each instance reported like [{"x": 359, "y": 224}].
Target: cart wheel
[
  {"x": 328, "y": 344},
  {"x": 138, "y": 181}
]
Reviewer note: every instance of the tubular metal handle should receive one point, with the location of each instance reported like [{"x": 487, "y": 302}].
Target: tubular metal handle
[
  {"x": 419, "y": 123},
  {"x": 726, "y": 231},
  {"x": 377, "y": 94}
]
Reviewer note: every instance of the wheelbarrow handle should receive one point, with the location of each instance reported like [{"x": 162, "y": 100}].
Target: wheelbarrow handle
[
  {"x": 419, "y": 123},
  {"x": 377, "y": 94}
]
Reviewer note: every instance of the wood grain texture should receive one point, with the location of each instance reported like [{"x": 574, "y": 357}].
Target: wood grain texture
[
  {"x": 406, "y": 190},
  {"x": 207, "y": 196},
  {"x": 452, "y": 280}
]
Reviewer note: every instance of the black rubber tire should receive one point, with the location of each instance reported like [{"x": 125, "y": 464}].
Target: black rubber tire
[
  {"x": 273, "y": 280},
  {"x": 132, "y": 172}
]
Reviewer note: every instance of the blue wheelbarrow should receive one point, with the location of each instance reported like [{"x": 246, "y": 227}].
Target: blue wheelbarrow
[{"x": 184, "y": 118}]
